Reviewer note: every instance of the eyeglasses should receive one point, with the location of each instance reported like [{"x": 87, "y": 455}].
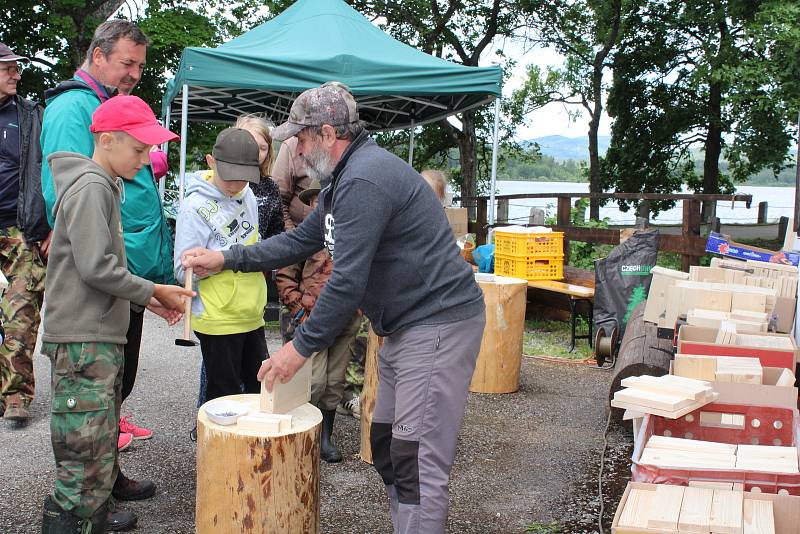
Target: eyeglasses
[{"x": 12, "y": 70}]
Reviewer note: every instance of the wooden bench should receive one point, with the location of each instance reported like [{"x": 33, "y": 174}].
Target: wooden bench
[{"x": 575, "y": 294}]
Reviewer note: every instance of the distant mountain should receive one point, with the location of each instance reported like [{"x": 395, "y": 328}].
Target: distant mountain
[{"x": 564, "y": 148}]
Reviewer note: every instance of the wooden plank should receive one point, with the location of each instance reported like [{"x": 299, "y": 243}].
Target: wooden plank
[
  {"x": 710, "y": 484},
  {"x": 665, "y": 442},
  {"x": 695, "y": 513},
  {"x": 694, "y": 390},
  {"x": 758, "y": 517},
  {"x": 786, "y": 378},
  {"x": 665, "y": 413},
  {"x": 687, "y": 459},
  {"x": 749, "y": 302},
  {"x": 697, "y": 367},
  {"x": 286, "y": 397},
  {"x": 668, "y": 507},
  {"x": 561, "y": 287},
  {"x": 726, "y": 512},
  {"x": 267, "y": 423},
  {"x": 651, "y": 399},
  {"x": 637, "y": 509}
]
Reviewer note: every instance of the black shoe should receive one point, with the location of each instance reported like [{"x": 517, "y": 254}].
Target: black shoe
[
  {"x": 58, "y": 521},
  {"x": 121, "y": 520},
  {"x": 327, "y": 450},
  {"x": 193, "y": 434},
  {"x": 126, "y": 489}
]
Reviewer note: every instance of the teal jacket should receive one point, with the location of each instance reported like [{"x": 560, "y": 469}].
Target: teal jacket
[{"x": 148, "y": 239}]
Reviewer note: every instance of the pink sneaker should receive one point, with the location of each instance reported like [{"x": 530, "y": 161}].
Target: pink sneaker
[
  {"x": 138, "y": 432},
  {"x": 124, "y": 441}
]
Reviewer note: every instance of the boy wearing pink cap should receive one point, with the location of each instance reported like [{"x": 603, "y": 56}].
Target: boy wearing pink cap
[{"x": 89, "y": 291}]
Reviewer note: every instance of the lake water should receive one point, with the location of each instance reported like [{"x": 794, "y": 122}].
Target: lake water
[{"x": 780, "y": 200}]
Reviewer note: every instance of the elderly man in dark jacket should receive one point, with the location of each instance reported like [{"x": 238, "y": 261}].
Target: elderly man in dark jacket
[{"x": 24, "y": 237}]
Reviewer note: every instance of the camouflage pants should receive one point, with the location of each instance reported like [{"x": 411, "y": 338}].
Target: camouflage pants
[
  {"x": 87, "y": 389},
  {"x": 19, "y": 312}
]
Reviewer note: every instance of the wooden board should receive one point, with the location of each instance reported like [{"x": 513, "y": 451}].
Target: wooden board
[
  {"x": 664, "y": 442},
  {"x": 726, "y": 512},
  {"x": 651, "y": 399},
  {"x": 664, "y": 413},
  {"x": 669, "y": 384},
  {"x": 710, "y": 484},
  {"x": 667, "y": 509},
  {"x": 786, "y": 378},
  {"x": 697, "y": 367},
  {"x": 267, "y": 423},
  {"x": 286, "y": 397},
  {"x": 637, "y": 509},
  {"x": 758, "y": 517},
  {"x": 695, "y": 513}
]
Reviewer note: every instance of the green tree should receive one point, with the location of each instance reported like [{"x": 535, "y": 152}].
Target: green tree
[
  {"x": 586, "y": 33},
  {"x": 696, "y": 72}
]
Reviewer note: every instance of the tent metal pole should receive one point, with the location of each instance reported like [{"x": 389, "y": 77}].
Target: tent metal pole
[
  {"x": 495, "y": 144},
  {"x": 184, "y": 128},
  {"x": 162, "y": 182},
  {"x": 411, "y": 145}
]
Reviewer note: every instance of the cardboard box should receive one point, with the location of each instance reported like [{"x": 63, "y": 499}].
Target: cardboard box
[
  {"x": 721, "y": 244},
  {"x": 786, "y": 511},
  {"x": 457, "y": 217},
  {"x": 784, "y": 314},
  {"x": 699, "y": 340},
  {"x": 765, "y": 394},
  {"x": 656, "y": 306}
]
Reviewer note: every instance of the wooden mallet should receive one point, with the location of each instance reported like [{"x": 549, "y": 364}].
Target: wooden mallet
[{"x": 186, "y": 340}]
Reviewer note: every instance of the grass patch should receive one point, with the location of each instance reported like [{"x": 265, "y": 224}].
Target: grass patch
[
  {"x": 543, "y": 528},
  {"x": 551, "y": 338}
]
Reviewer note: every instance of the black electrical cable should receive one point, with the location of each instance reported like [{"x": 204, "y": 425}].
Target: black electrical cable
[{"x": 600, "y": 473}]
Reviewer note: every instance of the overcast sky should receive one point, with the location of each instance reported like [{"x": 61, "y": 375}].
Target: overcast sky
[{"x": 551, "y": 119}]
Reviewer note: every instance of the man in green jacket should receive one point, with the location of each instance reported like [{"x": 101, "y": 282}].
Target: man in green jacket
[{"x": 114, "y": 63}]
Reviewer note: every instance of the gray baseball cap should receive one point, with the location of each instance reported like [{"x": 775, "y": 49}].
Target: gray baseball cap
[
  {"x": 236, "y": 156},
  {"x": 6, "y": 54},
  {"x": 330, "y": 104}
]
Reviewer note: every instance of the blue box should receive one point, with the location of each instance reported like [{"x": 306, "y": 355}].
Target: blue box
[{"x": 720, "y": 244}]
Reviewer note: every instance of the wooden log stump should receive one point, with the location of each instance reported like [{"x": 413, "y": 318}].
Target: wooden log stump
[
  {"x": 252, "y": 482},
  {"x": 369, "y": 392},
  {"x": 642, "y": 352},
  {"x": 499, "y": 361}
]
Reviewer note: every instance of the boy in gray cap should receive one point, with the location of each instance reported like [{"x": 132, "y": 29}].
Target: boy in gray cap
[{"x": 395, "y": 258}]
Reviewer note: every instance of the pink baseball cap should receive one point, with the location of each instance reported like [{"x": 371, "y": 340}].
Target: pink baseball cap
[{"x": 132, "y": 115}]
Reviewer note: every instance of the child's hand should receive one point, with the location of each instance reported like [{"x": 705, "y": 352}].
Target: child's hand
[
  {"x": 203, "y": 261},
  {"x": 171, "y": 316},
  {"x": 172, "y": 297}
]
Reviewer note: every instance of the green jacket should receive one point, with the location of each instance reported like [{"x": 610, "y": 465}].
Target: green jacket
[
  {"x": 87, "y": 267},
  {"x": 148, "y": 239}
]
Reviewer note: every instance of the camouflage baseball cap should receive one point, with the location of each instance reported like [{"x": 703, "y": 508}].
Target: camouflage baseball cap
[{"x": 329, "y": 104}]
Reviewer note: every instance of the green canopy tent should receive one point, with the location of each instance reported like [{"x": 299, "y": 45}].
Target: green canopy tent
[{"x": 312, "y": 42}]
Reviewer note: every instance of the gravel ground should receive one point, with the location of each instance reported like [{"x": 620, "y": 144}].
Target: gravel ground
[{"x": 522, "y": 458}]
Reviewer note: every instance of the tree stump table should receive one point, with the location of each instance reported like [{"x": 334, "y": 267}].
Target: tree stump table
[
  {"x": 251, "y": 481},
  {"x": 500, "y": 358}
]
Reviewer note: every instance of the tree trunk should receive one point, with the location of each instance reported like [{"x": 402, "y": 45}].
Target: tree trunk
[
  {"x": 369, "y": 392},
  {"x": 467, "y": 157},
  {"x": 713, "y": 147},
  {"x": 254, "y": 481},
  {"x": 594, "y": 163}
]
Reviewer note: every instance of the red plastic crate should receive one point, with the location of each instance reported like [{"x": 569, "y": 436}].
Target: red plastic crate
[{"x": 763, "y": 425}]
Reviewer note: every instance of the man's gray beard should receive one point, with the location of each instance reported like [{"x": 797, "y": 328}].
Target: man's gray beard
[{"x": 319, "y": 165}]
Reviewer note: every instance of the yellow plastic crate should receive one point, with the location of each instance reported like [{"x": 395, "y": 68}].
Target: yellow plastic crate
[
  {"x": 533, "y": 268},
  {"x": 526, "y": 245}
]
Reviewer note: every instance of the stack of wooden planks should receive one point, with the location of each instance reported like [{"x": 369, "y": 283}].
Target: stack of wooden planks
[
  {"x": 725, "y": 369},
  {"x": 668, "y": 396},
  {"x": 665, "y": 508},
  {"x": 682, "y": 453},
  {"x": 747, "y": 322},
  {"x": 736, "y": 369}
]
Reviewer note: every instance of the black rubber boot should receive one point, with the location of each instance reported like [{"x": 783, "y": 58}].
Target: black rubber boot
[
  {"x": 58, "y": 521},
  {"x": 119, "y": 520},
  {"x": 327, "y": 450}
]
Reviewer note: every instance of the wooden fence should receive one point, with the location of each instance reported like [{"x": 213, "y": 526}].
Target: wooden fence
[{"x": 689, "y": 244}]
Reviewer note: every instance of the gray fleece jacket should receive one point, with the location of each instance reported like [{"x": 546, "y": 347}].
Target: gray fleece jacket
[
  {"x": 88, "y": 284},
  {"x": 393, "y": 252}
]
